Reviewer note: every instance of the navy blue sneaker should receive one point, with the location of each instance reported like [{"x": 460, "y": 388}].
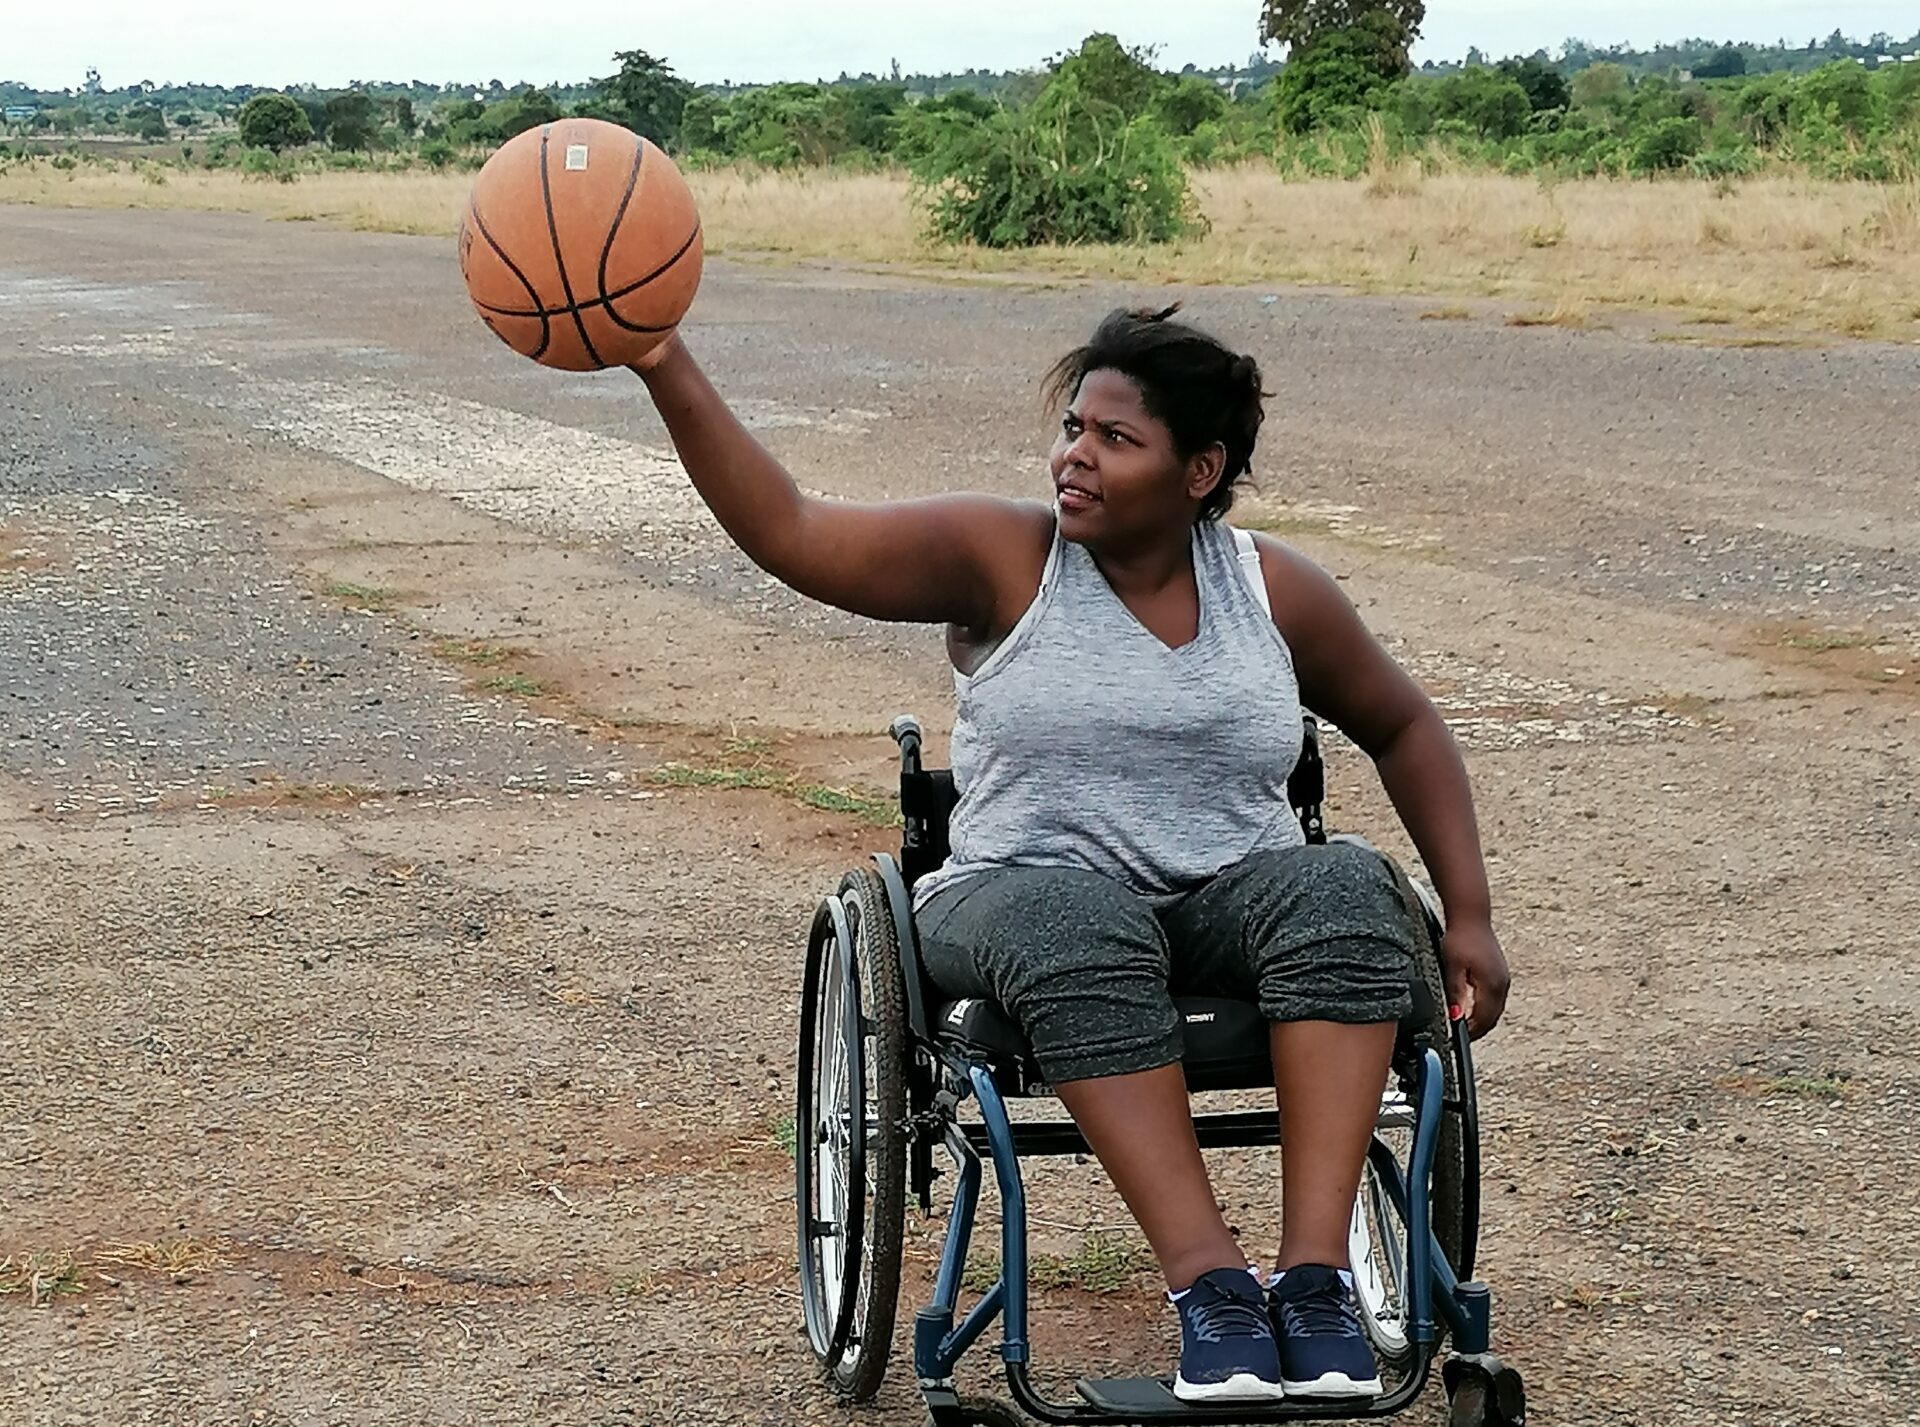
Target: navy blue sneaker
[
  {"x": 1227, "y": 1352},
  {"x": 1323, "y": 1350}
]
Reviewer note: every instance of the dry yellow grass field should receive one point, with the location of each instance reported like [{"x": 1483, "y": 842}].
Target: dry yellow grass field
[{"x": 1780, "y": 250}]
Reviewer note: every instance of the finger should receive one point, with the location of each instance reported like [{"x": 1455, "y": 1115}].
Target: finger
[
  {"x": 1459, "y": 991},
  {"x": 1488, "y": 1006}
]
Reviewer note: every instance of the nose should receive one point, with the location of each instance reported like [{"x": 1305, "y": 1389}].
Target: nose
[{"x": 1080, "y": 452}]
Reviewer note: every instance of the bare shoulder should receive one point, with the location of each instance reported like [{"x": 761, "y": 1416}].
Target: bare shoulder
[
  {"x": 1012, "y": 539},
  {"x": 1305, "y": 597}
]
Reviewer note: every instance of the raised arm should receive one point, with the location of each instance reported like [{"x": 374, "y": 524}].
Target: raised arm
[{"x": 935, "y": 560}]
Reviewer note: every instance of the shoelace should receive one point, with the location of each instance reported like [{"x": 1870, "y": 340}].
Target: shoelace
[
  {"x": 1219, "y": 1315},
  {"x": 1324, "y": 1312}
]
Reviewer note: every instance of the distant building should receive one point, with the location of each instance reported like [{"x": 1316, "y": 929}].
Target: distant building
[{"x": 19, "y": 113}]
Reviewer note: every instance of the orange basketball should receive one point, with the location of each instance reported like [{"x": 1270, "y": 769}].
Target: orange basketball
[{"x": 580, "y": 245}]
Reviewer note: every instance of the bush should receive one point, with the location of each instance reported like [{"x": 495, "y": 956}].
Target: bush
[
  {"x": 1839, "y": 95},
  {"x": 1069, "y": 168},
  {"x": 1724, "y": 162},
  {"x": 265, "y": 164},
  {"x": 1668, "y": 145}
]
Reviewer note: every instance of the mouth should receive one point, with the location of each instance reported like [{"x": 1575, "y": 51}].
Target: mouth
[{"x": 1073, "y": 495}]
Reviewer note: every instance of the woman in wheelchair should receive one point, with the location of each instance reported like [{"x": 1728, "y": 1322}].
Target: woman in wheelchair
[{"x": 1130, "y": 674}]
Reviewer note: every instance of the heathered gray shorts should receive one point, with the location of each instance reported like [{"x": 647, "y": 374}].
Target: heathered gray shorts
[{"x": 1088, "y": 969}]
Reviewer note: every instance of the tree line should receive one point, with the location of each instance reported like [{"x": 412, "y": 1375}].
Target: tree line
[{"x": 1097, "y": 144}]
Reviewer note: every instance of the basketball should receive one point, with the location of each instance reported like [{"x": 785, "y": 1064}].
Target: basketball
[{"x": 580, "y": 245}]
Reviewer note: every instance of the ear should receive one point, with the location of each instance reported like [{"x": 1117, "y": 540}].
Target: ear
[{"x": 1204, "y": 471}]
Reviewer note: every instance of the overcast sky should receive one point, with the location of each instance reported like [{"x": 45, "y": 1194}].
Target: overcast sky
[{"x": 50, "y": 43}]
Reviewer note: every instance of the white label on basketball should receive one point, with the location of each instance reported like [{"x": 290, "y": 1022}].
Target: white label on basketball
[{"x": 576, "y": 157}]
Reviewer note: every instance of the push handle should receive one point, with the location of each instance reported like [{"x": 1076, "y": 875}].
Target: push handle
[{"x": 905, "y": 731}]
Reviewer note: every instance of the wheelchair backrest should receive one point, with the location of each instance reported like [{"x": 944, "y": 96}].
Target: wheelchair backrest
[{"x": 927, "y": 798}]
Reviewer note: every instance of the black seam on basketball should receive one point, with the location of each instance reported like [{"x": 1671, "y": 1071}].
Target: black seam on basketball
[
  {"x": 608, "y": 300},
  {"x": 553, "y": 231},
  {"x": 660, "y": 271},
  {"x": 546, "y": 324},
  {"x": 665, "y": 267},
  {"x": 620, "y": 215}
]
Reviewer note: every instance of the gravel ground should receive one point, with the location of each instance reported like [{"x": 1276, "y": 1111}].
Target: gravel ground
[{"x": 387, "y": 1040}]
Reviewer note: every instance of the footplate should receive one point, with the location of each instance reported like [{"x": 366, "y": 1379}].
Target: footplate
[{"x": 1132, "y": 1396}]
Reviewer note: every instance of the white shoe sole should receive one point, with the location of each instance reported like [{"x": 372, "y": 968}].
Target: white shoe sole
[
  {"x": 1241, "y": 1387},
  {"x": 1333, "y": 1384}
]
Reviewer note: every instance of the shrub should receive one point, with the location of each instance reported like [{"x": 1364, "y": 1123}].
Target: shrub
[
  {"x": 1069, "y": 168},
  {"x": 1667, "y": 145}
]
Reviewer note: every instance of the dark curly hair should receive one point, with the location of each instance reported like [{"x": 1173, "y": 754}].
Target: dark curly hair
[{"x": 1203, "y": 391}]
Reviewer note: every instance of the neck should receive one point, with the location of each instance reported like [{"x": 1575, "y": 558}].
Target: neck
[{"x": 1146, "y": 568}]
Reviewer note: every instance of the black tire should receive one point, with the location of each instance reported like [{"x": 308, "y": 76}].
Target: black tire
[
  {"x": 852, "y": 1338},
  {"x": 1484, "y": 1392}
]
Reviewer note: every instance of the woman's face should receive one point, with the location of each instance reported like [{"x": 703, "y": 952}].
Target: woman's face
[{"x": 1117, "y": 477}]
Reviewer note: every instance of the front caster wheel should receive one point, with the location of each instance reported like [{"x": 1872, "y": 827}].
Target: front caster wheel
[{"x": 1484, "y": 1392}]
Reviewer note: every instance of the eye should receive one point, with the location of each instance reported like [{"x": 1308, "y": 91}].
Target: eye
[
  {"x": 1116, "y": 438},
  {"x": 1072, "y": 425}
]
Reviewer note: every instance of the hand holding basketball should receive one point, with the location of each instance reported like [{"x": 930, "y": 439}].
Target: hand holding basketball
[{"x": 580, "y": 245}]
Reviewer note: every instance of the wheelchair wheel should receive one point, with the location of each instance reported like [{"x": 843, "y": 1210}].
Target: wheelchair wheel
[{"x": 850, "y": 1135}]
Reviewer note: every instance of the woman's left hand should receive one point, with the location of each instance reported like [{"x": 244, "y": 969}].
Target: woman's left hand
[{"x": 1477, "y": 975}]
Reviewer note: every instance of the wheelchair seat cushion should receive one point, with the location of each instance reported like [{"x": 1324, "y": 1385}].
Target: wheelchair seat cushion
[{"x": 1226, "y": 1043}]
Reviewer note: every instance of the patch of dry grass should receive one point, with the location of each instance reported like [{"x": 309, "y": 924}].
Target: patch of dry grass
[
  {"x": 168, "y": 1256},
  {"x": 1573, "y": 315},
  {"x": 1777, "y": 250}
]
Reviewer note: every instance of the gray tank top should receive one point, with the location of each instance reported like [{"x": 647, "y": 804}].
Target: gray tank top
[{"x": 1083, "y": 741}]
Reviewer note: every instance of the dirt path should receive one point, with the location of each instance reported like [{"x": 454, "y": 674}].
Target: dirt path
[{"x": 408, "y": 824}]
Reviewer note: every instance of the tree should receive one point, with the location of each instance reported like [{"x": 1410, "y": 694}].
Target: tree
[
  {"x": 350, "y": 121},
  {"x": 1546, "y": 87},
  {"x": 646, "y": 95},
  {"x": 317, "y": 117},
  {"x": 1487, "y": 101},
  {"x": 273, "y": 121},
  {"x": 1599, "y": 84},
  {"x": 1185, "y": 106},
  {"x": 1298, "y": 23},
  {"x": 1107, "y": 72},
  {"x": 1340, "y": 69},
  {"x": 148, "y": 123},
  {"x": 520, "y": 111},
  {"x": 403, "y": 116},
  {"x": 1727, "y": 62}
]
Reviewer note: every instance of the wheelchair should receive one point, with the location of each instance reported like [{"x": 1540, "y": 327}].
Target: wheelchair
[{"x": 886, "y": 1063}]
